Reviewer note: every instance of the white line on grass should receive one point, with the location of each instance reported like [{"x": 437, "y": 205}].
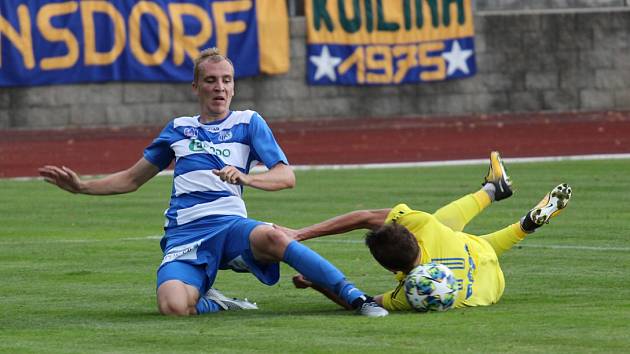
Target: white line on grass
[
  {"x": 156, "y": 237},
  {"x": 413, "y": 164},
  {"x": 48, "y": 240},
  {"x": 484, "y": 161},
  {"x": 528, "y": 245},
  {"x": 462, "y": 162}
]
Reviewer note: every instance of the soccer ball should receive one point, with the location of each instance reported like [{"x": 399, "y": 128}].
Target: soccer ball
[{"x": 431, "y": 287}]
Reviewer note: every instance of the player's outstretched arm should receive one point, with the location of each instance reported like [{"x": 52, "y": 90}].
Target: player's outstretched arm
[
  {"x": 125, "y": 181},
  {"x": 278, "y": 177},
  {"x": 359, "y": 219}
]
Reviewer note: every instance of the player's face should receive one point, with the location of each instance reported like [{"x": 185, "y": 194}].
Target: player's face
[{"x": 215, "y": 89}]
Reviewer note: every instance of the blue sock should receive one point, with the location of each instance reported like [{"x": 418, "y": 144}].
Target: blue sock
[
  {"x": 318, "y": 270},
  {"x": 205, "y": 305}
]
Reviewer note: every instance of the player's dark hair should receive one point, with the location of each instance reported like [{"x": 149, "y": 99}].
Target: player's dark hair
[{"x": 393, "y": 247}]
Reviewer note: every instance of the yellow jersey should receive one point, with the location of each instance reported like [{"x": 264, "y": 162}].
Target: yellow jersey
[{"x": 472, "y": 260}]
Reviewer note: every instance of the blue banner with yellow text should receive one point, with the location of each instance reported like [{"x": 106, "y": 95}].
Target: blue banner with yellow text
[
  {"x": 378, "y": 42},
  {"x": 58, "y": 42}
]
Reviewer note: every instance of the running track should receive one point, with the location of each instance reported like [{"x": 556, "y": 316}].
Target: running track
[{"x": 348, "y": 141}]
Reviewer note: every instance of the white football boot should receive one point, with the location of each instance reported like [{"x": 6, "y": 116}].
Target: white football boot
[
  {"x": 370, "y": 308},
  {"x": 551, "y": 205},
  {"x": 227, "y": 303}
]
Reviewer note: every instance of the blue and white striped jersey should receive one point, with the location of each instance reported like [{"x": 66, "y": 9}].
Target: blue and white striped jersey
[{"x": 242, "y": 140}]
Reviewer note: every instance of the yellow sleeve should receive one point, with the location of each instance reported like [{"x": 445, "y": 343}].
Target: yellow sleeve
[
  {"x": 397, "y": 212},
  {"x": 413, "y": 220},
  {"x": 396, "y": 300}
]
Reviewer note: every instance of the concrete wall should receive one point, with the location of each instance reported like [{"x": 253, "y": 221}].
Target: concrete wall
[
  {"x": 527, "y": 62},
  {"x": 296, "y": 7},
  {"x": 502, "y": 5}
]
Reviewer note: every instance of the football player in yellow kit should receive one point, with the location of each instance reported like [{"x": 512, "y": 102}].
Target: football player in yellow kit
[{"x": 401, "y": 238}]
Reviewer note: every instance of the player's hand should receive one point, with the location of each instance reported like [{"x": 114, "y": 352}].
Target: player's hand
[
  {"x": 63, "y": 178},
  {"x": 232, "y": 175},
  {"x": 293, "y": 234},
  {"x": 300, "y": 282}
]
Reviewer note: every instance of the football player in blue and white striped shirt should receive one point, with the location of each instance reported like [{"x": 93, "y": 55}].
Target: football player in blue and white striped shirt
[{"x": 206, "y": 226}]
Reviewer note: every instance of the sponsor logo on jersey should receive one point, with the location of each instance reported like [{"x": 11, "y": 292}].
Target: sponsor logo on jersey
[
  {"x": 214, "y": 129},
  {"x": 198, "y": 145},
  {"x": 195, "y": 145}
]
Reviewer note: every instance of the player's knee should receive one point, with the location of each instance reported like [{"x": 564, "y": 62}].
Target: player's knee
[
  {"x": 277, "y": 239},
  {"x": 173, "y": 308},
  {"x": 172, "y": 300},
  {"x": 270, "y": 244}
]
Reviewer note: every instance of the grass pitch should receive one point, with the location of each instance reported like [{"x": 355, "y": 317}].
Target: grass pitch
[{"x": 78, "y": 272}]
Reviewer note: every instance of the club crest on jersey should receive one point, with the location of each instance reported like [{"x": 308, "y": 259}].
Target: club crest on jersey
[
  {"x": 225, "y": 135},
  {"x": 190, "y": 132}
]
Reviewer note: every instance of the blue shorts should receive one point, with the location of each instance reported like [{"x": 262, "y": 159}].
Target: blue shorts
[{"x": 222, "y": 245}]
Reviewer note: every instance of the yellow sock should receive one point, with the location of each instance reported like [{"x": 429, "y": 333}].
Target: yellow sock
[
  {"x": 505, "y": 238},
  {"x": 482, "y": 198},
  {"x": 460, "y": 212}
]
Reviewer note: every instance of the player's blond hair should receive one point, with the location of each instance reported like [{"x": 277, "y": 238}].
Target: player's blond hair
[{"x": 211, "y": 54}]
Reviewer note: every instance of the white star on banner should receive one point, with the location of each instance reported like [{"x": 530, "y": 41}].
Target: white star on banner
[
  {"x": 456, "y": 59},
  {"x": 325, "y": 64}
]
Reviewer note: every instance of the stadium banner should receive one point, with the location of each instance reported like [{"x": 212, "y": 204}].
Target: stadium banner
[
  {"x": 378, "y": 42},
  {"x": 46, "y": 42}
]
